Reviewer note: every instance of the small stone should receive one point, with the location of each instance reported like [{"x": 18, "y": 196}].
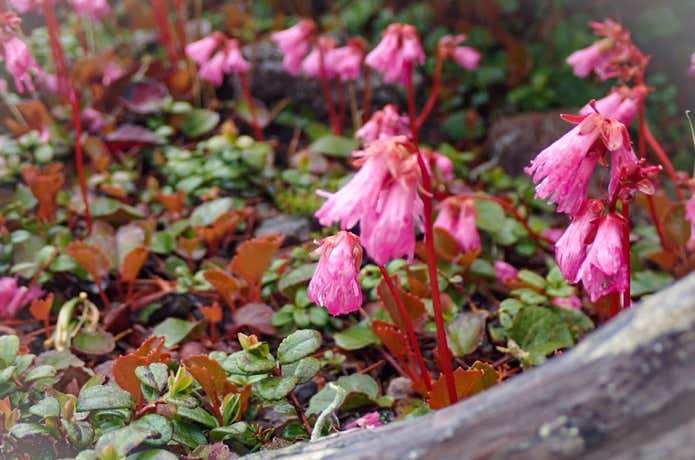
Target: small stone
[{"x": 295, "y": 229}]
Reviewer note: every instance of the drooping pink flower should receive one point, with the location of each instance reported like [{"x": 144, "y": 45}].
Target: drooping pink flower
[
  {"x": 93, "y": 120},
  {"x": 311, "y": 65},
  {"x": 440, "y": 162},
  {"x": 346, "y": 61},
  {"x": 570, "y": 249},
  {"x": 294, "y": 43},
  {"x": 370, "y": 420},
  {"x": 19, "y": 62},
  {"x": 92, "y": 9},
  {"x": 112, "y": 72},
  {"x": 383, "y": 124},
  {"x": 388, "y": 229},
  {"x": 690, "y": 217},
  {"x": 200, "y": 51},
  {"x": 622, "y": 104},
  {"x": 572, "y": 302},
  {"x": 553, "y": 234},
  {"x": 691, "y": 70},
  {"x": 505, "y": 272},
  {"x": 562, "y": 171},
  {"x": 585, "y": 60},
  {"x": 23, "y": 6},
  {"x": 458, "y": 218},
  {"x": 398, "y": 52},
  {"x": 465, "y": 56},
  {"x": 13, "y": 297},
  {"x": 234, "y": 61},
  {"x": 336, "y": 284},
  {"x": 605, "y": 268},
  {"x": 213, "y": 70}
]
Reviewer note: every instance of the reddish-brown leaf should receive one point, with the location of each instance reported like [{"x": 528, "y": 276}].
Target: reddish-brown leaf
[
  {"x": 151, "y": 351},
  {"x": 41, "y": 308},
  {"x": 257, "y": 316},
  {"x": 222, "y": 227},
  {"x": 468, "y": 382},
  {"x": 35, "y": 116},
  {"x": 395, "y": 340},
  {"x": 45, "y": 185},
  {"x": 98, "y": 153},
  {"x": 174, "y": 203},
  {"x": 92, "y": 258},
  {"x": 213, "y": 379},
  {"x": 133, "y": 262},
  {"x": 413, "y": 305},
  {"x": 225, "y": 285},
  {"x": 253, "y": 257},
  {"x": 212, "y": 313}
]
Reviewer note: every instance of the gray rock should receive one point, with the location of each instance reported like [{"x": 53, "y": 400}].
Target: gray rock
[
  {"x": 295, "y": 229},
  {"x": 625, "y": 392},
  {"x": 513, "y": 141}
]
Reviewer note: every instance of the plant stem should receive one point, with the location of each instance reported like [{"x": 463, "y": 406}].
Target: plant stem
[
  {"x": 326, "y": 85},
  {"x": 367, "y": 96},
  {"x": 66, "y": 87},
  {"x": 626, "y": 297},
  {"x": 246, "y": 89},
  {"x": 180, "y": 7},
  {"x": 663, "y": 158},
  {"x": 410, "y": 330},
  {"x": 434, "y": 93},
  {"x": 161, "y": 17}
]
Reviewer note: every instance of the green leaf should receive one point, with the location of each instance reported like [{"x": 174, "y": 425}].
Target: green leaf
[
  {"x": 159, "y": 427},
  {"x": 199, "y": 121},
  {"x": 40, "y": 372},
  {"x": 98, "y": 342},
  {"x": 577, "y": 321},
  {"x": 532, "y": 279},
  {"x": 356, "y": 337},
  {"x": 299, "y": 344},
  {"x": 648, "y": 281},
  {"x": 174, "y": 330},
  {"x": 47, "y": 407},
  {"x": 197, "y": 414},
  {"x": 207, "y": 213},
  {"x": 9, "y": 347},
  {"x": 155, "y": 375},
  {"x": 464, "y": 333},
  {"x": 360, "y": 389},
  {"x": 233, "y": 431},
  {"x": 97, "y": 397},
  {"x": 296, "y": 277},
  {"x": 22, "y": 430},
  {"x": 59, "y": 359},
  {"x": 540, "y": 331},
  {"x": 490, "y": 215},
  {"x": 153, "y": 454},
  {"x": 332, "y": 145},
  {"x": 304, "y": 369},
  {"x": 274, "y": 388},
  {"x": 243, "y": 362}
]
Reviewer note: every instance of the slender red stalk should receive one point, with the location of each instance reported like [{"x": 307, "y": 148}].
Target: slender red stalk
[
  {"x": 67, "y": 88},
  {"x": 410, "y": 330},
  {"x": 626, "y": 297},
  {"x": 663, "y": 159},
  {"x": 180, "y": 6},
  {"x": 326, "y": 85},
  {"x": 367, "y": 96},
  {"x": 434, "y": 93},
  {"x": 411, "y": 111},
  {"x": 79, "y": 31},
  {"x": 246, "y": 89},
  {"x": 161, "y": 17}
]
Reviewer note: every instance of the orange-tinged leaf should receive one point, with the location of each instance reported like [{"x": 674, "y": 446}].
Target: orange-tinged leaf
[
  {"x": 174, "y": 203},
  {"x": 189, "y": 246},
  {"x": 92, "y": 258},
  {"x": 222, "y": 227},
  {"x": 226, "y": 285},
  {"x": 213, "y": 379},
  {"x": 45, "y": 185},
  {"x": 212, "y": 313},
  {"x": 123, "y": 370},
  {"x": 468, "y": 382},
  {"x": 413, "y": 305},
  {"x": 133, "y": 262},
  {"x": 41, "y": 308},
  {"x": 395, "y": 340},
  {"x": 36, "y": 118},
  {"x": 98, "y": 153},
  {"x": 253, "y": 257}
]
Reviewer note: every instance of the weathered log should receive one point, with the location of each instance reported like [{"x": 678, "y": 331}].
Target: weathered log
[{"x": 626, "y": 392}]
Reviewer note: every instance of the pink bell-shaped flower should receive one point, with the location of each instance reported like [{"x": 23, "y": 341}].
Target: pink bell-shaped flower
[
  {"x": 465, "y": 56},
  {"x": 213, "y": 70},
  {"x": 234, "y": 61},
  {"x": 398, "y": 52},
  {"x": 311, "y": 65},
  {"x": 23, "y": 6},
  {"x": 586, "y": 60},
  {"x": 622, "y": 104},
  {"x": 336, "y": 284},
  {"x": 92, "y": 9},
  {"x": 370, "y": 420},
  {"x": 570, "y": 249},
  {"x": 383, "y": 124},
  {"x": 200, "y": 51},
  {"x": 346, "y": 61},
  {"x": 458, "y": 218},
  {"x": 506, "y": 273},
  {"x": 19, "y": 62},
  {"x": 605, "y": 268},
  {"x": 13, "y": 297},
  {"x": 294, "y": 44}
]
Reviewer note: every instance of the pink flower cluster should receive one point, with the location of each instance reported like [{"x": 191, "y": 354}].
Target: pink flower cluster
[
  {"x": 13, "y": 297},
  {"x": 336, "y": 284},
  {"x": 397, "y": 54},
  {"x": 18, "y": 61},
  {"x": 217, "y": 56},
  {"x": 458, "y": 218},
  {"x": 622, "y": 103},
  {"x": 294, "y": 44},
  {"x": 383, "y": 124},
  {"x": 92, "y": 9}
]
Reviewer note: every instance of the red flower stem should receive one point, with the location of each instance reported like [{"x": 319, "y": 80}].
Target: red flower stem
[
  {"x": 66, "y": 87},
  {"x": 246, "y": 89},
  {"x": 513, "y": 211},
  {"x": 434, "y": 93},
  {"x": 410, "y": 330},
  {"x": 367, "y": 96},
  {"x": 428, "y": 205},
  {"x": 626, "y": 297},
  {"x": 79, "y": 31},
  {"x": 663, "y": 158},
  {"x": 161, "y": 17},
  {"x": 326, "y": 85},
  {"x": 180, "y": 6}
]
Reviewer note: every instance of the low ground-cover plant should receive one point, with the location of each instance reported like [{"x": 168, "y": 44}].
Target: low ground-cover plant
[{"x": 150, "y": 308}]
